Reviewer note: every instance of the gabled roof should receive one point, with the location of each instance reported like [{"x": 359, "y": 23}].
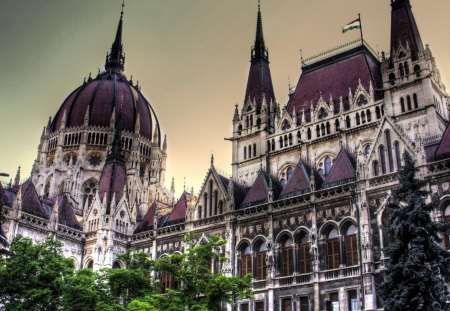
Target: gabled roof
[
  {"x": 443, "y": 149},
  {"x": 178, "y": 213},
  {"x": 259, "y": 191},
  {"x": 335, "y": 76},
  {"x": 66, "y": 215},
  {"x": 343, "y": 170},
  {"x": 31, "y": 203},
  {"x": 300, "y": 180},
  {"x": 148, "y": 220}
]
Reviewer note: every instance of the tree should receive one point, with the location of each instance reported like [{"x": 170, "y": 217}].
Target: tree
[
  {"x": 418, "y": 265},
  {"x": 32, "y": 276}
]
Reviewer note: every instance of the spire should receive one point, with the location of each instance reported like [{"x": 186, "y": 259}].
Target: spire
[
  {"x": 115, "y": 59},
  {"x": 259, "y": 50},
  {"x": 172, "y": 186},
  {"x": 404, "y": 30},
  {"x": 17, "y": 179},
  {"x": 116, "y": 152}
]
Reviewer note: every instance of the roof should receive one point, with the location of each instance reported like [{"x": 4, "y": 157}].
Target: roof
[
  {"x": 343, "y": 169},
  {"x": 300, "y": 180},
  {"x": 31, "y": 203},
  {"x": 112, "y": 182},
  {"x": 179, "y": 210},
  {"x": 334, "y": 76},
  {"x": 66, "y": 215},
  {"x": 443, "y": 149},
  {"x": 259, "y": 191},
  {"x": 148, "y": 220}
]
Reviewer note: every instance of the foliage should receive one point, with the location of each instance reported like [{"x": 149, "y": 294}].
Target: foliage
[{"x": 418, "y": 265}]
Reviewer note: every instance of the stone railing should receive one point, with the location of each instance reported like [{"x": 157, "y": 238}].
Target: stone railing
[{"x": 340, "y": 273}]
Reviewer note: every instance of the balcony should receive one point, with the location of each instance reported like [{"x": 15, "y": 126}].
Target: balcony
[
  {"x": 335, "y": 274},
  {"x": 259, "y": 284}
]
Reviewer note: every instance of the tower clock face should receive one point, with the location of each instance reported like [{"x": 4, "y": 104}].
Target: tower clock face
[{"x": 95, "y": 160}]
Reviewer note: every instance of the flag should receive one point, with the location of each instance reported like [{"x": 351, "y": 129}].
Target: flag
[{"x": 356, "y": 24}]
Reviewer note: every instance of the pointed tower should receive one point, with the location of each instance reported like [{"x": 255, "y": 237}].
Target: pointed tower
[{"x": 115, "y": 59}]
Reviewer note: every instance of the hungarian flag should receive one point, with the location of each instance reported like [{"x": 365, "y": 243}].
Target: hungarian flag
[{"x": 356, "y": 24}]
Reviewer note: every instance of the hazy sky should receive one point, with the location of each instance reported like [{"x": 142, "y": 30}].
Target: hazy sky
[{"x": 191, "y": 58}]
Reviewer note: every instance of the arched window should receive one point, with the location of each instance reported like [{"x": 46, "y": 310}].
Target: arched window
[
  {"x": 289, "y": 173},
  {"x": 327, "y": 165},
  {"x": 317, "y": 130},
  {"x": 398, "y": 158},
  {"x": 416, "y": 102},
  {"x": 322, "y": 127},
  {"x": 387, "y": 134},
  {"x": 90, "y": 190},
  {"x": 287, "y": 257},
  {"x": 116, "y": 265},
  {"x": 392, "y": 78},
  {"x": 406, "y": 66},
  {"x": 402, "y": 104},
  {"x": 321, "y": 173},
  {"x": 378, "y": 112},
  {"x": 239, "y": 129},
  {"x": 268, "y": 145},
  {"x": 299, "y": 136},
  {"x": 348, "y": 122},
  {"x": 408, "y": 102},
  {"x": 337, "y": 125},
  {"x": 247, "y": 122},
  {"x": 328, "y": 128},
  {"x": 447, "y": 222},
  {"x": 290, "y": 139},
  {"x": 309, "y": 133},
  {"x": 199, "y": 212},
  {"x": 254, "y": 150},
  {"x": 285, "y": 141},
  {"x": 246, "y": 260},
  {"x": 363, "y": 117},
  {"x": 351, "y": 246},
  {"x": 333, "y": 254},
  {"x": 251, "y": 120},
  {"x": 417, "y": 70},
  {"x": 369, "y": 115},
  {"x": 205, "y": 204},
  {"x": 303, "y": 254},
  {"x": 281, "y": 142},
  {"x": 210, "y": 194},
  {"x": 89, "y": 264},
  {"x": 216, "y": 202},
  {"x": 367, "y": 151},
  {"x": 376, "y": 169},
  {"x": 261, "y": 269},
  {"x": 273, "y": 144},
  {"x": 358, "y": 119},
  {"x": 362, "y": 100},
  {"x": 220, "y": 207},
  {"x": 382, "y": 159},
  {"x": 322, "y": 114},
  {"x": 401, "y": 70},
  {"x": 249, "y": 151},
  {"x": 245, "y": 153},
  {"x": 47, "y": 186},
  {"x": 285, "y": 126}
]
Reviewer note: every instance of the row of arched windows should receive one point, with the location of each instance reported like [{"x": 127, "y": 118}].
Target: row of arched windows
[
  {"x": 121, "y": 226},
  {"x": 144, "y": 150},
  {"x": 408, "y": 106},
  {"x": 251, "y": 151},
  {"x": 381, "y": 165},
  {"x": 93, "y": 224},
  {"x": 97, "y": 138},
  {"x": 52, "y": 144},
  {"x": 72, "y": 139},
  {"x": 212, "y": 206},
  {"x": 365, "y": 116}
]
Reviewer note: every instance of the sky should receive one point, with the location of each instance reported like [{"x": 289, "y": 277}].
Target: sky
[{"x": 191, "y": 58}]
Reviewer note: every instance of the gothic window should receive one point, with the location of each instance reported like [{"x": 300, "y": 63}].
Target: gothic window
[
  {"x": 249, "y": 151},
  {"x": 382, "y": 159},
  {"x": 290, "y": 139},
  {"x": 50, "y": 161},
  {"x": 299, "y": 136},
  {"x": 398, "y": 157},
  {"x": 254, "y": 150},
  {"x": 199, "y": 212},
  {"x": 216, "y": 202},
  {"x": 376, "y": 170},
  {"x": 378, "y": 112},
  {"x": 285, "y": 125},
  {"x": 351, "y": 246},
  {"x": 408, "y": 101},
  {"x": 283, "y": 182},
  {"x": 321, "y": 173},
  {"x": 245, "y": 153},
  {"x": 309, "y": 133},
  {"x": 247, "y": 122},
  {"x": 401, "y": 70},
  {"x": 337, "y": 125},
  {"x": 386, "y": 223},
  {"x": 287, "y": 257},
  {"x": 70, "y": 159},
  {"x": 273, "y": 144},
  {"x": 387, "y": 133},
  {"x": 317, "y": 130},
  {"x": 251, "y": 120},
  {"x": 258, "y": 122},
  {"x": 303, "y": 252},
  {"x": 304, "y": 303},
  {"x": 281, "y": 142},
  {"x": 402, "y": 104},
  {"x": 363, "y": 117},
  {"x": 358, "y": 119},
  {"x": 328, "y": 128},
  {"x": 239, "y": 129},
  {"x": 205, "y": 204},
  {"x": 168, "y": 280},
  {"x": 268, "y": 145},
  {"x": 416, "y": 102},
  {"x": 392, "y": 78},
  {"x": 382, "y": 107},
  {"x": 47, "y": 186},
  {"x": 348, "y": 122},
  {"x": 367, "y": 151},
  {"x": 289, "y": 173},
  {"x": 327, "y": 165},
  {"x": 220, "y": 207},
  {"x": 369, "y": 115},
  {"x": 362, "y": 100},
  {"x": 417, "y": 70},
  {"x": 246, "y": 260},
  {"x": 89, "y": 264},
  {"x": 261, "y": 269},
  {"x": 447, "y": 222},
  {"x": 285, "y": 140},
  {"x": 210, "y": 193},
  {"x": 95, "y": 159},
  {"x": 333, "y": 254},
  {"x": 406, "y": 66},
  {"x": 322, "y": 127},
  {"x": 90, "y": 190},
  {"x": 322, "y": 114}
]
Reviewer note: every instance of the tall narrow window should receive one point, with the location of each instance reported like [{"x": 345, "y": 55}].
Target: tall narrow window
[
  {"x": 353, "y": 304},
  {"x": 401, "y": 70},
  {"x": 406, "y": 66},
  {"x": 387, "y": 134},
  {"x": 309, "y": 133},
  {"x": 254, "y": 150},
  {"x": 304, "y": 257},
  {"x": 398, "y": 158},
  {"x": 273, "y": 144},
  {"x": 369, "y": 115},
  {"x": 286, "y": 304},
  {"x": 333, "y": 254},
  {"x": 416, "y": 102},
  {"x": 290, "y": 139},
  {"x": 363, "y": 117},
  {"x": 216, "y": 202},
  {"x": 348, "y": 122},
  {"x": 447, "y": 222},
  {"x": 245, "y": 153},
  {"x": 317, "y": 131},
  {"x": 268, "y": 145},
  {"x": 322, "y": 127},
  {"x": 378, "y": 112},
  {"x": 246, "y": 260},
  {"x": 289, "y": 173},
  {"x": 261, "y": 269},
  {"x": 199, "y": 215},
  {"x": 408, "y": 102},
  {"x": 287, "y": 258},
  {"x": 382, "y": 159},
  {"x": 249, "y": 151},
  {"x": 402, "y": 104},
  {"x": 259, "y": 306},
  {"x": 327, "y": 164},
  {"x": 351, "y": 246},
  {"x": 210, "y": 194},
  {"x": 375, "y": 168},
  {"x": 304, "y": 303},
  {"x": 337, "y": 125},
  {"x": 205, "y": 204},
  {"x": 328, "y": 128},
  {"x": 281, "y": 142},
  {"x": 358, "y": 119}
]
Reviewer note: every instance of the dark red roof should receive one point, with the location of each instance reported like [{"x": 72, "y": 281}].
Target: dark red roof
[
  {"x": 404, "y": 28},
  {"x": 300, "y": 181},
  {"x": 66, "y": 215},
  {"x": 31, "y": 203},
  {"x": 148, "y": 220},
  {"x": 259, "y": 84},
  {"x": 343, "y": 170},
  {"x": 259, "y": 191},
  {"x": 102, "y": 95},
  {"x": 335, "y": 76},
  {"x": 179, "y": 210},
  {"x": 112, "y": 182},
  {"x": 443, "y": 149}
]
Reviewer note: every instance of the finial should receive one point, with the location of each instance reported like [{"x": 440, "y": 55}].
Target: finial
[
  {"x": 184, "y": 183},
  {"x": 212, "y": 159},
  {"x": 123, "y": 5},
  {"x": 259, "y": 5},
  {"x": 17, "y": 179}
]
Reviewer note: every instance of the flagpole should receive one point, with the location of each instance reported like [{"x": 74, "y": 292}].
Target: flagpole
[{"x": 360, "y": 28}]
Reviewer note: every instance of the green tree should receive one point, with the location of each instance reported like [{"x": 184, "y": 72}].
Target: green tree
[
  {"x": 418, "y": 265},
  {"x": 32, "y": 276}
]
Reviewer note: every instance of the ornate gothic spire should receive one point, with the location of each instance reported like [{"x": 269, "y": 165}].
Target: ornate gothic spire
[
  {"x": 115, "y": 59},
  {"x": 259, "y": 51}
]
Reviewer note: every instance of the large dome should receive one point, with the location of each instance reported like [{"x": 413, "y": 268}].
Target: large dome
[{"x": 108, "y": 93}]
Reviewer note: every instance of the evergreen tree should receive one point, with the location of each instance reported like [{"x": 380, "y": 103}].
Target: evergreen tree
[{"x": 418, "y": 266}]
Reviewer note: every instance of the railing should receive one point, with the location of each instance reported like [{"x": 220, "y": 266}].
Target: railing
[
  {"x": 340, "y": 273},
  {"x": 259, "y": 284},
  {"x": 284, "y": 281}
]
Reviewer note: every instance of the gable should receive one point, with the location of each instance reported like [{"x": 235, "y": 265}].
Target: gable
[{"x": 343, "y": 169}]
